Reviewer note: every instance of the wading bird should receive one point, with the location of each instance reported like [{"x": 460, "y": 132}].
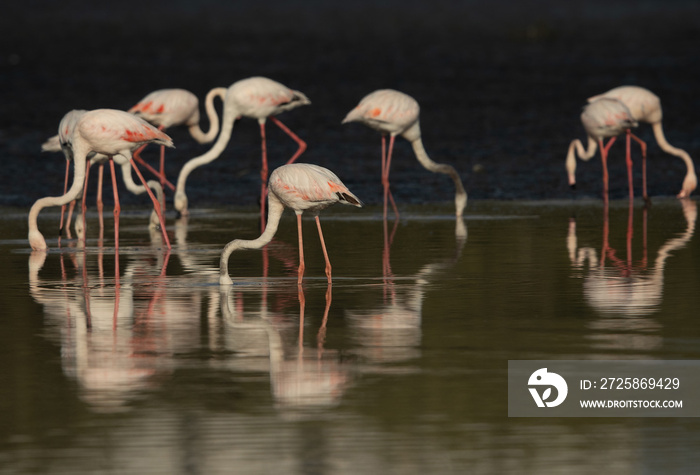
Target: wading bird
[
  {"x": 258, "y": 98},
  {"x": 301, "y": 187},
  {"x": 395, "y": 113},
  {"x": 645, "y": 106},
  {"x": 53, "y": 144},
  {"x": 166, "y": 108},
  {"x": 112, "y": 133},
  {"x": 604, "y": 118}
]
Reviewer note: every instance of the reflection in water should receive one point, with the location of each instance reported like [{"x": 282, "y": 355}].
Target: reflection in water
[
  {"x": 392, "y": 331},
  {"x": 622, "y": 287},
  {"x": 110, "y": 346},
  {"x": 301, "y": 376}
]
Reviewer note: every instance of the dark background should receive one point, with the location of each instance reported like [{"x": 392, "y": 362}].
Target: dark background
[{"x": 500, "y": 83}]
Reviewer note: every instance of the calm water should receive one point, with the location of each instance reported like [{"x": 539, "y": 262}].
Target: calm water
[{"x": 400, "y": 367}]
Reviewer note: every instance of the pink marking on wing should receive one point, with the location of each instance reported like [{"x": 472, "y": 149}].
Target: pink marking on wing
[
  {"x": 160, "y": 109},
  {"x": 375, "y": 112}
]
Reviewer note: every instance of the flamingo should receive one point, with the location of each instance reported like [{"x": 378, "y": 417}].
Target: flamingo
[
  {"x": 110, "y": 132},
  {"x": 301, "y": 187},
  {"x": 53, "y": 144},
  {"x": 645, "y": 106},
  {"x": 166, "y": 108},
  {"x": 395, "y": 113},
  {"x": 603, "y": 118},
  {"x": 257, "y": 98}
]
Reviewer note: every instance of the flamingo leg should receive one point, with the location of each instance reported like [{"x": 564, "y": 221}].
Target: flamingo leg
[
  {"x": 63, "y": 208},
  {"x": 295, "y": 137},
  {"x": 69, "y": 218},
  {"x": 643, "y": 146},
  {"x": 325, "y": 252},
  {"x": 302, "y": 266},
  {"x": 263, "y": 175},
  {"x": 117, "y": 206},
  {"x": 162, "y": 166},
  {"x": 385, "y": 177},
  {"x": 100, "y": 205},
  {"x": 630, "y": 235},
  {"x": 83, "y": 205},
  {"x": 156, "y": 204},
  {"x": 604, "y": 149},
  {"x": 137, "y": 156},
  {"x": 628, "y": 162}
]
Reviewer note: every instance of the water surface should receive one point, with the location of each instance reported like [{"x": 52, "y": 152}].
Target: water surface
[{"x": 138, "y": 362}]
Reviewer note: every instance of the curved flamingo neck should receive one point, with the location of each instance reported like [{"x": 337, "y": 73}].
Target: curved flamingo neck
[
  {"x": 690, "y": 181},
  {"x": 275, "y": 209},
  {"x": 412, "y": 134},
  {"x": 585, "y": 154},
  {"x": 36, "y": 239},
  {"x": 196, "y": 130},
  {"x": 230, "y": 115}
]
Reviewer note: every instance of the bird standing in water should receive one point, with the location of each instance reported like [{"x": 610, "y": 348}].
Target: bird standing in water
[
  {"x": 395, "y": 113},
  {"x": 301, "y": 187},
  {"x": 645, "y": 106},
  {"x": 603, "y": 118},
  {"x": 109, "y": 132},
  {"x": 166, "y": 108},
  {"x": 258, "y": 98}
]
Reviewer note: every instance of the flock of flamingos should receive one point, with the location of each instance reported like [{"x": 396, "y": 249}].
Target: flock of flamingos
[{"x": 107, "y": 136}]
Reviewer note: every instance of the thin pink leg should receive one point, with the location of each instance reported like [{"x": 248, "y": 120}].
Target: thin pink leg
[
  {"x": 156, "y": 204},
  {"x": 83, "y": 204},
  {"x": 100, "y": 204},
  {"x": 643, "y": 146},
  {"x": 117, "y": 206},
  {"x": 604, "y": 158},
  {"x": 628, "y": 161},
  {"x": 63, "y": 208},
  {"x": 302, "y": 266},
  {"x": 295, "y": 137},
  {"x": 70, "y": 217},
  {"x": 385, "y": 179},
  {"x": 137, "y": 156},
  {"x": 263, "y": 176},
  {"x": 325, "y": 252}
]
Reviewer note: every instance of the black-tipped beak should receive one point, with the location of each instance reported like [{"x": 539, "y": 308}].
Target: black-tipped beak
[{"x": 573, "y": 187}]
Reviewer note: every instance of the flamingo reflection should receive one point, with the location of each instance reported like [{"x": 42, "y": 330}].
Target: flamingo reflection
[
  {"x": 109, "y": 345},
  {"x": 301, "y": 376},
  {"x": 624, "y": 287},
  {"x": 391, "y": 332}
]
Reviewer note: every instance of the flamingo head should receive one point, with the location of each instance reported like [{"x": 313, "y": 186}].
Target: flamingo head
[
  {"x": 37, "y": 241},
  {"x": 689, "y": 184},
  {"x": 180, "y": 203}
]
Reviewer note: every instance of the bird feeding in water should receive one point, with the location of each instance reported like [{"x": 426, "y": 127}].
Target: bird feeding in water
[
  {"x": 395, "y": 113},
  {"x": 109, "y": 132},
  {"x": 167, "y": 108},
  {"x": 603, "y": 118},
  {"x": 301, "y": 187},
  {"x": 258, "y": 98},
  {"x": 645, "y": 106}
]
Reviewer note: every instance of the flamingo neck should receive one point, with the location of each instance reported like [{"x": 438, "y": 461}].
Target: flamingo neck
[
  {"x": 196, "y": 130},
  {"x": 275, "y": 209},
  {"x": 585, "y": 154},
  {"x": 36, "y": 239},
  {"x": 690, "y": 181},
  {"x": 413, "y": 135},
  {"x": 230, "y": 115}
]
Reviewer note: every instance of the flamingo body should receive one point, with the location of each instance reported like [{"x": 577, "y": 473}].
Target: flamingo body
[
  {"x": 301, "y": 187},
  {"x": 602, "y": 118},
  {"x": 168, "y": 107},
  {"x": 106, "y": 131},
  {"x": 258, "y": 98},
  {"x": 645, "y": 106},
  {"x": 395, "y": 113},
  {"x": 388, "y": 111}
]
